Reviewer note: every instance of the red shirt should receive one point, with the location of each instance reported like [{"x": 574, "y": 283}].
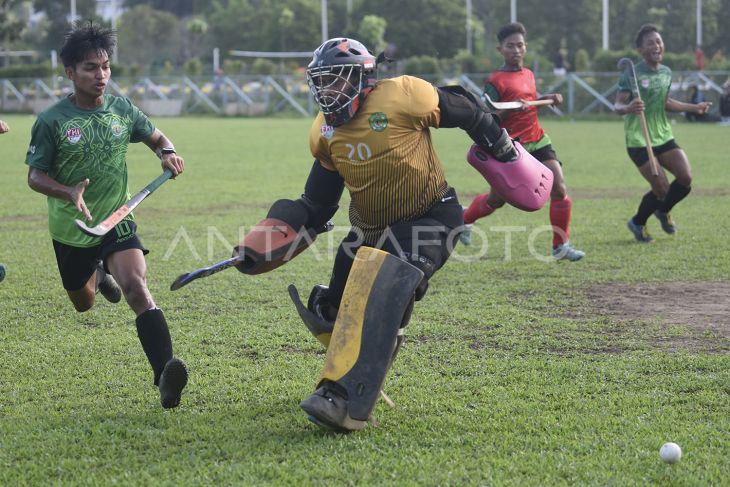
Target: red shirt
[{"x": 513, "y": 86}]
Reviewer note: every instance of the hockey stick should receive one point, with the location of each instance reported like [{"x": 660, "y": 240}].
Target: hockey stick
[
  {"x": 105, "y": 226},
  {"x": 185, "y": 279},
  {"x": 513, "y": 105},
  {"x": 626, "y": 64}
]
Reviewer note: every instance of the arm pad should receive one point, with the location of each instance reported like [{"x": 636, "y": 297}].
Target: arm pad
[
  {"x": 276, "y": 239},
  {"x": 291, "y": 226},
  {"x": 462, "y": 109}
]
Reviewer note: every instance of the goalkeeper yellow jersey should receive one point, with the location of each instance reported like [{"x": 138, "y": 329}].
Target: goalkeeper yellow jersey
[{"x": 385, "y": 154}]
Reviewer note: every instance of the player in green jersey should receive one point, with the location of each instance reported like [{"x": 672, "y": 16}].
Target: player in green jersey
[
  {"x": 77, "y": 157},
  {"x": 654, "y": 80}
]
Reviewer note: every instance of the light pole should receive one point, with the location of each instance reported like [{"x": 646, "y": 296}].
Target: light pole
[
  {"x": 513, "y": 11},
  {"x": 605, "y": 25},
  {"x": 115, "y": 55},
  {"x": 699, "y": 22},
  {"x": 323, "y": 8},
  {"x": 468, "y": 27}
]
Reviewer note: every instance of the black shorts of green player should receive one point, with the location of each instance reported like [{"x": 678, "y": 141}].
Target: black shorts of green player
[
  {"x": 77, "y": 264},
  {"x": 546, "y": 153},
  {"x": 640, "y": 156}
]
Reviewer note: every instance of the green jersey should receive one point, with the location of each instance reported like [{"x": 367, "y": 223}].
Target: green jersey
[
  {"x": 72, "y": 144},
  {"x": 654, "y": 89}
]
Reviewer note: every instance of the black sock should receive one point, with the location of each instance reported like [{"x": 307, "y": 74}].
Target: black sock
[
  {"x": 676, "y": 193},
  {"x": 649, "y": 203},
  {"x": 155, "y": 338}
]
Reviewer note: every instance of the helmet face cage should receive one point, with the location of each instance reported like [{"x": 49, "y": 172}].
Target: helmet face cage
[
  {"x": 335, "y": 87},
  {"x": 340, "y": 75}
]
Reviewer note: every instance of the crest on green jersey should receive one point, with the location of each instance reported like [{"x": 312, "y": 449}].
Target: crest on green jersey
[{"x": 117, "y": 129}]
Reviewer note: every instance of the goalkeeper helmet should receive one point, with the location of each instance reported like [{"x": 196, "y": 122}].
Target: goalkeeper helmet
[{"x": 340, "y": 76}]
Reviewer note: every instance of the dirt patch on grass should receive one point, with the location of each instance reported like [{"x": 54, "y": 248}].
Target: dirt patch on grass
[{"x": 700, "y": 308}]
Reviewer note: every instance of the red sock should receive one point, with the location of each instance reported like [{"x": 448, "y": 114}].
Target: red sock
[
  {"x": 560, "y": 219},
  {"x": 477, "y": 209}
]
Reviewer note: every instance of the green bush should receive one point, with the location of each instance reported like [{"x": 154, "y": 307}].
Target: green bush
[
  {"x": 233, "y": 66},
  {"x": 582, "y": 60},
  {"x": 718, "y": 62},
  {"x": 39, "y": 70},
  {"x": 264, "y": 66},
  {"x": 193, "y": 67},
  {"x": 608, "y": 60},
  {"x": 422, "y": 65},
  {"x": 680, "y": 62}
]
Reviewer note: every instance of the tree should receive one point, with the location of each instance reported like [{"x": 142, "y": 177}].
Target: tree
[
  {"x": 181, "y": 8},
  {"x": 420, "y": 27},
  {"x": 195, "y": 29},
  {"x": 58, "y": 15},
  {"x": 265, "y": 25},
  {"x": 372, "y": 32},
  {"x": 148, "y": 36},
  {"x": 11, "y": 24}
]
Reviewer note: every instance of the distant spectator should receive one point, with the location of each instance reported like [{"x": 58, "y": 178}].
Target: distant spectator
[
  {"x": 560, "y": 63},
  {"x": 4, "y": 127},
  {"x": 699, "y": 58},
  {"x": 696, "y": 97},
  {"x": 725, "y": 104}
]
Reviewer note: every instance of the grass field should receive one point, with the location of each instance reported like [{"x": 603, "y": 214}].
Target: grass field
[{"x": 516, "y": 371}]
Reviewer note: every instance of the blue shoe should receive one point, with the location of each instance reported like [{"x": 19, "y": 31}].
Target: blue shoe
[
  {"x": 565, "y": 251},
  {"x": 639, "y": 231},
  {"x": 667, "y": 223},
  {"x": 465, "y": 235}
]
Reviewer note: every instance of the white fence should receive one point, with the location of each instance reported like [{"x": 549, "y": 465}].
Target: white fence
[{"x": 584, "y": 93}]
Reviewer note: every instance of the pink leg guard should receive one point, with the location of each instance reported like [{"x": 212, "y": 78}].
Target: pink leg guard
[{"x": 524, "y": 183}]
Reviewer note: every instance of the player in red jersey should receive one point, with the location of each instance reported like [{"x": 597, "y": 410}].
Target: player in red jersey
[{"x": 515, "y": 82}]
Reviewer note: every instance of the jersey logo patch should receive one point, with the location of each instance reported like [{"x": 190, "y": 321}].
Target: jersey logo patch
[
  {"x": 327, "y": 131},
  {"x": 378, "y": 121},
  {"x": 645, "y": 83},
  {"x": 117, "y": 129},
  {"x": 73, "y": 135}
]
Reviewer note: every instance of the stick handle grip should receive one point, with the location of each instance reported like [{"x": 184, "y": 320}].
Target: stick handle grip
[
  {"x": 537, "y": 103},
  {"x": 166, "y": 174}
]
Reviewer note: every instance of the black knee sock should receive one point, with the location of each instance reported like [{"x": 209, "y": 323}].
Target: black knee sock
[
  {"x": 649, "y": 203},
  {"x": 676, "y": 193},
  {"x": 155, "y": 338}
]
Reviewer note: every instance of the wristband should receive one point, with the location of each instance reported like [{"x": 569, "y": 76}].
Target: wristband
[{"x": 165, "y": 150}]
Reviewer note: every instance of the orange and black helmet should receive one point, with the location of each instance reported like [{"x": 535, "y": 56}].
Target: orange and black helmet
[{"x": 340, "y": 76}]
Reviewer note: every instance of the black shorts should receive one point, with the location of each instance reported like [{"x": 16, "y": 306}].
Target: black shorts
[
  {"x": 77, "y": 264},
  {"x": 641, "y": 157},
  {"x": 546, "y": 153},
  {"x": 426, "y": 242}
]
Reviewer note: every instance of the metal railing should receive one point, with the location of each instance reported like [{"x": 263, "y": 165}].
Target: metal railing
[{"x": 589, "y": 93}]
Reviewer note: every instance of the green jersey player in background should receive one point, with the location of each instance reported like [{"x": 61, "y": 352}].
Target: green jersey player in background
[
  {"x": 654, "y": 80},
  {"x": 77, "y": 157}
]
